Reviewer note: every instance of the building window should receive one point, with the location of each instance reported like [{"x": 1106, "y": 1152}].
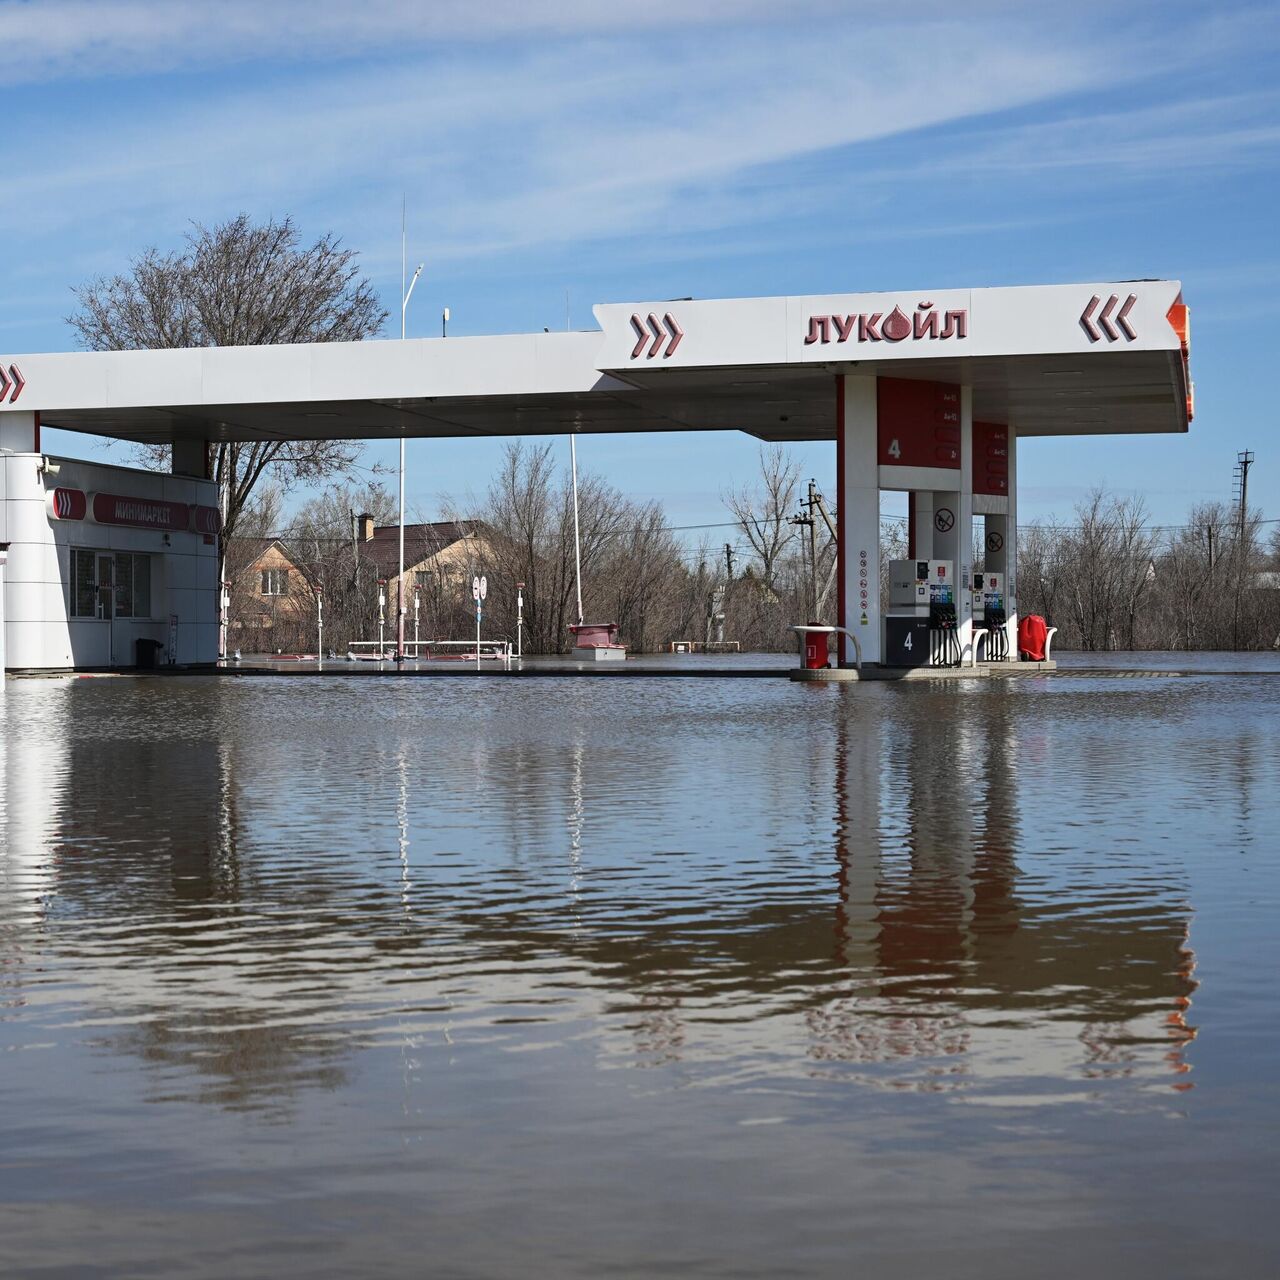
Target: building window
[
  {"x": 104, "y": 584},
  {"x": 84, "y": 584},
  {"x": 275, "y": 582},
  {"x": 133, "y": 585}
]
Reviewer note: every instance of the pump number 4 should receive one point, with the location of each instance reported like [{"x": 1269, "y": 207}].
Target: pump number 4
[{"x": 895, "y": 449}]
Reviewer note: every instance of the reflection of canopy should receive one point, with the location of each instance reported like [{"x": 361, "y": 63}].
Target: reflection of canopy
[{"x": 932, "y": 949}]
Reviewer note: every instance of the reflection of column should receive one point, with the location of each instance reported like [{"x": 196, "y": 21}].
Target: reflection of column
[
  {"x": 995, "y": 808},
  {"x": 858, "y": 513},
  {"x": 858, "y": 849},
  {"x": 32, "y": 782}
]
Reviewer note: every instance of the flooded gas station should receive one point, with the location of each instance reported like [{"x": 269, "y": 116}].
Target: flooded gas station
[{"x": 552, "y": 975}]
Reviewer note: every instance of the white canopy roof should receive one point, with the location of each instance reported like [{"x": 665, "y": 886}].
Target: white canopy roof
[{"x": 1050, "y": 360}]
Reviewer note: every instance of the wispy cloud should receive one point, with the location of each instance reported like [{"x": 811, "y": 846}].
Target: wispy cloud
[
  {"x": 542, "y": 145},
  {"x": 78, "y": 39}
]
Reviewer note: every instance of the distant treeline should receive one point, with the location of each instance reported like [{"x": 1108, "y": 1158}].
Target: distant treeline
[{"x": 1107, "y": 579}]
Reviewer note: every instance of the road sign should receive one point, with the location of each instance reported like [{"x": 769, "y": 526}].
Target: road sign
[
  {"x": 484, "y": 587},
  {"x": 475, "y": 588}
]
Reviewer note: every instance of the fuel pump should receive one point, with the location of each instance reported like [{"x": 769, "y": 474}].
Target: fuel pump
[
  {"x": 994, "y": 617},
  {"x": 944, "y": 636},
  {"x": 921, "y": 625}
]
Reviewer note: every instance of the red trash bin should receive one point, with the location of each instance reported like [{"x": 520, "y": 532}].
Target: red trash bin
[
  {"x": 816, "y": 654},
  {"x": 1032, "y": 632}
]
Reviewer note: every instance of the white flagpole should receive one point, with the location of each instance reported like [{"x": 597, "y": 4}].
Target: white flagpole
[{"x": 577, "y": 545}]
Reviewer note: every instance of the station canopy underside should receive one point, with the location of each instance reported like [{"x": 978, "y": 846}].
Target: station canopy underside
[
  {"x": 1119, "y": 392},
  {"x": 1091, "y": 359}
]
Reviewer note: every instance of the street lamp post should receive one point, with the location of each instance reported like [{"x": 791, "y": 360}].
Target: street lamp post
[{"x": 400, "y": 605}]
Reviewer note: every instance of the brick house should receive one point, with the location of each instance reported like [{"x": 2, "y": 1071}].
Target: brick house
[{"x": 272, "y": 603}]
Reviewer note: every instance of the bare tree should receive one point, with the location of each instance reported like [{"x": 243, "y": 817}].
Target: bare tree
[
  {"x": 764, "y": 511},
  {"x": 319, "y": 538},
  {"x": 238, "y": 284},
  {"x": 632, "y": 570}
]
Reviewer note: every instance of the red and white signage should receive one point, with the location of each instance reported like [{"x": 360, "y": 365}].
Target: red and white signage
[
  {"x": 141, "y": 513},
  {"x": 206, "y": 520},
  {"x": 66, "y": 504},
  {"x": 918, "y": 423},
  {"x": 990, "y": 458}
]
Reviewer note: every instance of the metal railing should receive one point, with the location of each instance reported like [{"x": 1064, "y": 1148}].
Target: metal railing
[{"x": 428, "y": 650}]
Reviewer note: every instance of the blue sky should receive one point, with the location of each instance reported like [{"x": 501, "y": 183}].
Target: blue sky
[{"x": 666, "y": 149}]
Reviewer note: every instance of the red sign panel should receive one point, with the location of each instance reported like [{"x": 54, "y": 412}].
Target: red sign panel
[
  {"x": 141, "y": 513},
  {"x": 206, "y": 519},
  {"x": 990, "y": 458},
  {"x": 919, "y": 423},
  {"x": 67, "y": 504}
]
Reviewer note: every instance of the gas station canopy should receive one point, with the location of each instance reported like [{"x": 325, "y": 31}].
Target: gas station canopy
[{"x": 1087, "y": 359}]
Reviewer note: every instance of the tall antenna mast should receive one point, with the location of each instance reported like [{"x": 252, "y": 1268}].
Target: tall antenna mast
[
  {"x": 405, "y": 294},
  {"x": 573, "y": 467}
]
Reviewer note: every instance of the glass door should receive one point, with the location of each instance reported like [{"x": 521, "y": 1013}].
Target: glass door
[{"x": 106, "y": 587}]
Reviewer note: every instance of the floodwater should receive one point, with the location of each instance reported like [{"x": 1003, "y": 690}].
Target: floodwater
[{"x": 715, "y": 977}]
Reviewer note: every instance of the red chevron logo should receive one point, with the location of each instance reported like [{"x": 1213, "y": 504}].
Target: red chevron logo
[
  {"x": 652, "y": 333},
  {"x": 1108, "y": 326},
  {"x": 12, "y": 379}
]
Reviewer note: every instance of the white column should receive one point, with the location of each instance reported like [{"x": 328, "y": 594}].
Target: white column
[
  {"x": 20, "y": 432},
  {"x": 955, "y": 541},
  {"x": 190, "y": 458},
  {"x": 924, "y": 524},
  {"x": 4, "y": 558},
  {"x": 1011, "y": 546},
  {"x": 859, "y": 515}
]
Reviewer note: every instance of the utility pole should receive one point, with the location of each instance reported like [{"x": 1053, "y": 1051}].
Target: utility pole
[
  {"x": 1244, "y": 460},
  {"x": 813, "y": 545},
  {"x": 728, "y": 560},
  {"x": 810, "y": 551}
]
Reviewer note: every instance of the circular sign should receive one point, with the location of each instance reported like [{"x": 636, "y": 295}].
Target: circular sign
[
  {"x": 475, "y": 588},
  {"x": 944, "y": 519},
  {"x": 484, "y": 586},
  {"x": 995, "y": 541}
]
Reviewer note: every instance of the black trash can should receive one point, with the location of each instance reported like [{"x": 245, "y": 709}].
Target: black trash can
[{"x": 147, "y": 654}]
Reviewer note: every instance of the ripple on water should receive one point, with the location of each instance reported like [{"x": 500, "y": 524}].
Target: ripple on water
[{"x": 463, "y": 937}]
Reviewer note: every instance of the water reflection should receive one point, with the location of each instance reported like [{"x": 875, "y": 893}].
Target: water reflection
[
  {"x": 966, "y": 965},
  {"x": 244, "y": 910}
]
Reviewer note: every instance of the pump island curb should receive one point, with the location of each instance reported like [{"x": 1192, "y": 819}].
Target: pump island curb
[{"x": 927, "y": 392}]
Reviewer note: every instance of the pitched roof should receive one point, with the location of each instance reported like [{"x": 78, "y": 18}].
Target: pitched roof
[{"x": 421, "y": 542}]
